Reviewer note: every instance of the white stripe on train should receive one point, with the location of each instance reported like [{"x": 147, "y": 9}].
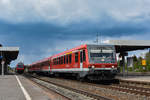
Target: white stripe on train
[{"x": 74, "y": 69}]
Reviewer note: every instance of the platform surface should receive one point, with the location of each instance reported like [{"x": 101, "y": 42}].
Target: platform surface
[
  {"x": 11, "y": 90},
  {"x": 136, "y": 78}
]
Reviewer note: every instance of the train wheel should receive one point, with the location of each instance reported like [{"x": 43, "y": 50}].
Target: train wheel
[{"x": 79, "y": 78}]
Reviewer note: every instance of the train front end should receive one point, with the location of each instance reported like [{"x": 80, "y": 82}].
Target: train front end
[
  {"x": 102, "y": 62},
  {"x": 20, "y": 68}
]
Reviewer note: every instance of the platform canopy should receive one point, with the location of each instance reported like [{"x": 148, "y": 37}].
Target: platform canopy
[
  {"x": 129, "y": 45},
  {"x": 9, "y": 53}
]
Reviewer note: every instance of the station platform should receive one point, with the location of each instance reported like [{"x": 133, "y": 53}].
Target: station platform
[
  {"x": 17, "y": 87},
  {"x": 135, "y": 78}
]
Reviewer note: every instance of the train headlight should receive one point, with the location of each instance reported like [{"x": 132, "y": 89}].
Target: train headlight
[
  {"x": 113, "y": 66},
  {"x": 93, "y": 66}
]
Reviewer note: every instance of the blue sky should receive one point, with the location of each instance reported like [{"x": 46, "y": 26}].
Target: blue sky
[{"x": 42, "y": 28}]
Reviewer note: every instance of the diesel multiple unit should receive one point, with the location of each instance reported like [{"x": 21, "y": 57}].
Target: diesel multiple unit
[{"x": 95, "y": 62}]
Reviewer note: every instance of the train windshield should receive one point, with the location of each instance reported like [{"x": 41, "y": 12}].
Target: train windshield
[
  {"x": 20, "y": 66},
  {"x": 102, "y": 54}
]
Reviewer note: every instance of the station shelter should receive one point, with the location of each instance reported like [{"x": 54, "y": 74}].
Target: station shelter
[{"x": 7, "y": 54}]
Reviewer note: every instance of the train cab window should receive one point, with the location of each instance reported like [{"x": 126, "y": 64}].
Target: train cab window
[
  {"x": 84, "y": 57},
  {"x": 70, "y": 58},
  {"x": 67, "y": 59},
  {"x": 81, "y": 56},
  {"x": 64, "y": 59},
  {"x": 76, "y": 57}
]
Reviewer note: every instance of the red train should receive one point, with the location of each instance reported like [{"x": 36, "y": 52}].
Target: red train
[
  {"x": 20, "y": 68},
  {"x": 95, "y": 62}
]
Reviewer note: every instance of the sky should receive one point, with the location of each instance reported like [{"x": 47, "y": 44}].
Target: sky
[{"x": 42, "y": 28}]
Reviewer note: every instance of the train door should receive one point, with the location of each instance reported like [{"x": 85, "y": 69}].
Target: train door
[
  {"x": 82, "y": 59},
  {"x": 49, "y": 67}
]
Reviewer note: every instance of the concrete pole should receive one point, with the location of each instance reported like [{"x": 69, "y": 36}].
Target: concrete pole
[
  {"x": 123, "y": 59},
  {"x": 3, "y": 64},
  {"x": 127, "y": 70}
]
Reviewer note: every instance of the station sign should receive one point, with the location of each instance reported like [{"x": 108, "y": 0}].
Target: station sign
[{"x": 143, "y": 62}]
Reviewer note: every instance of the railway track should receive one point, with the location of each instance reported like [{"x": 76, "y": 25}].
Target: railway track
[
  {"x": 89, "y": 95},
  {"x": 120, "y": 91},
  {"x": 131, "y": 89},
  {"x": 135, "y": 83}
]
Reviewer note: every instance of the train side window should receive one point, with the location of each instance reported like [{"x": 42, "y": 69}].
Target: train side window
[
  {"x": 57, "y": 61},
  {"x": 42, "y": 64},
  {"x": 70, "y": 58},
  {"x": 53, "y": 61},
  {"x": 60, "y": 60},
  {"x": 76, "y": 57},
  {"x": 46, "y": 63},
  {"x": 81, "y": 56},
  {"x": 67, "y": 59},
  {"x": 64, "y": 59},
  {"x": 84, "y": 56}
]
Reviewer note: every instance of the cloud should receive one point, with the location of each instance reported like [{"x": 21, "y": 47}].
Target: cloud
[
  {"x": 70, "y": 11},
  {"x": 73, "y": 19},
  {"x": 46, "y": 27}
]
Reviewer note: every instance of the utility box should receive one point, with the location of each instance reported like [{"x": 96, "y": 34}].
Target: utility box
[{"x": 130, "y": 61}]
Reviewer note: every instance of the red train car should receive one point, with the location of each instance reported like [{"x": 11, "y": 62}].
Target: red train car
[
  {"x": 95, "y": 62},
  {"x": 42, "y": 66},
  {"x": 20, "y": 68}
]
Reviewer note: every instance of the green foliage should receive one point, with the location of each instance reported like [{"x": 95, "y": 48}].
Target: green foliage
[
  {"x": 137, "y": 64},
  {"x": 135, "y": 58}
]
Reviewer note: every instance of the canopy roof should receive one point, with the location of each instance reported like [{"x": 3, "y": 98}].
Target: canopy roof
[
  {"x": 129, "y": 45},
  {"x": 9, "y": 53}
]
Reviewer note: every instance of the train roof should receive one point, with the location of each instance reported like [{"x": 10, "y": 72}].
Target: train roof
[
  {"x": 68, "y": 51},
  {"x": 78, "y": 48},
  {"x": 43, "y": 60}
]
